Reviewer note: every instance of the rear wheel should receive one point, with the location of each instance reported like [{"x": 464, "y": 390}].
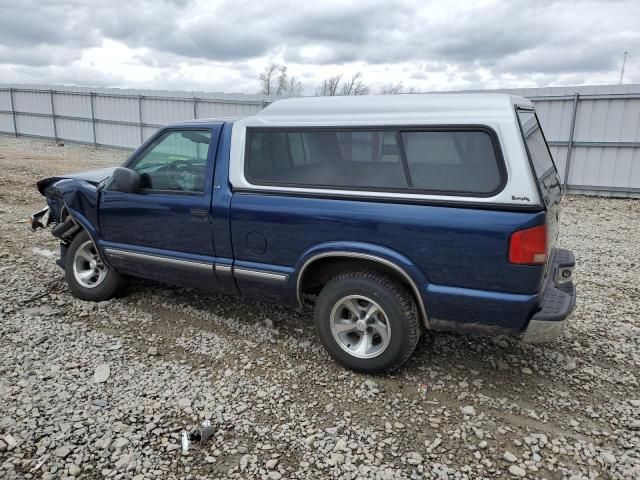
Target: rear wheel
[
  {"x": 87, "y": 276},
  {"x": 367, "y": 322}
]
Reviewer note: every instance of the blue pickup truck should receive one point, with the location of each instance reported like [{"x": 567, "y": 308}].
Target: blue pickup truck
[{"x": 388, "y": 214}]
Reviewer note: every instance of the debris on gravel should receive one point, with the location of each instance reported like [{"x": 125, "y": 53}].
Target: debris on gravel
[{"x": 84, "y": 392}]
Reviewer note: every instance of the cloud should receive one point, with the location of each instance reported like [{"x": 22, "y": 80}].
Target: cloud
[
  {"x": 30, "y": 23},
  {"x": 224, "y": 44}
]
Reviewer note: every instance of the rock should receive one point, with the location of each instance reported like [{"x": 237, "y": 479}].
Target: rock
[
  {"x": 74, "y": 470},
  {"x": 634, "y": 424},
  {"x": 527, "y": 371},
  {"x": 184, "y": 403},
  {"x": 414, "y": 458},
  {"x": 10, "y": 441},
  {"x": 271, "y": 464},
  {"x": 483, "y": 444},
  {"x": 152, "y": 352},
  {"x": 268, "y": 323},
  {"x": 468, "y": 410},
  {"x": 100, "y": 403},
  {"x": 608, "y": 457},
  {"x": 517, "y": 471},
  {"x": 119, "y": 444},
  {"x": 509, "y": 457},
  {"x": 101, "y": 373},
  {"x": 62, "y": 452},
  {"x": 273, "y": 475},
  {"x": 370, "y": 384},
  {"x": 244, "y": 461}
]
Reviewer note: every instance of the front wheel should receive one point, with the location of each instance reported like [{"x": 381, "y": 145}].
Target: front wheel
[
  {"x": 87, "y": 276},
  {"x": 367, "y": 321}
]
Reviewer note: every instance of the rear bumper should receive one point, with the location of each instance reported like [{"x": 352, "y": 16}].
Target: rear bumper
[{"x": 557, "y": 300}]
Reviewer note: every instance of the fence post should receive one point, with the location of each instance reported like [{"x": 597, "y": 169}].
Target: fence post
[
  {"x": 195, "y": 108},
  {"x": 140, "y": 118},
  {"x": 53, "y": 117},
  {"x": 567, "y": 164},
  {"x": 13, "y": 113},
  {"x": 93, "y": 120}
]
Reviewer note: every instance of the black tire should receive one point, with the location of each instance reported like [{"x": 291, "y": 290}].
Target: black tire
[
  {"x": 399, "y": 310},
  {"x": 108, "y": 286}
]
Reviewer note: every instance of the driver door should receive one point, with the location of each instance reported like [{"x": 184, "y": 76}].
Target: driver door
[{"x": 163, "y": 231}]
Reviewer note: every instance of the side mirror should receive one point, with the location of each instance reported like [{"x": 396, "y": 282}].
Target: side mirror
[{"x": 126, "y": 180}]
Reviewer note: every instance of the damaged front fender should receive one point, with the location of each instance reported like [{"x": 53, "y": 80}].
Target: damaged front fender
[
  {"x": 72, "y": 204},
  {"x": 93, "y": 177},
  {"x": 75, "y": 191}
]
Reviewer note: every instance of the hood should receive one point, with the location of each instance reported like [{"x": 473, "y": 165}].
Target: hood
[{"x": 92, "y": 176}]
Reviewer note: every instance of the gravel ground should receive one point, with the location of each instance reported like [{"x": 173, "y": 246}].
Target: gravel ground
[{"x": 105, "y": 390}]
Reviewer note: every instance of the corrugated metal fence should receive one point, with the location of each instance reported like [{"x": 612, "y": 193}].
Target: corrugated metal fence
[
  {"x": 593, "y": 131},
  {"x": 110, "y": 117}
]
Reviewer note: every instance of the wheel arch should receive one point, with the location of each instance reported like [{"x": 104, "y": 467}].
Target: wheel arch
[
  {"x": 86, "y": 226},
  {"x": 81, "y": 221},
  {"x": 389, "y": 262}
]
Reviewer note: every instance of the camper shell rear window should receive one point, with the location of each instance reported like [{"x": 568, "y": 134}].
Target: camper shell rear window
[
  {"x": 442, "y": 160},
  {"x": 536, "y": 144}
]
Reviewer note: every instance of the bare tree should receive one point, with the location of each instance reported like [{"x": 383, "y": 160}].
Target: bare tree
[
  {"x": 332, "y": 86},
  {"x": 392, "y": 89},
  {"x": 267, "y": 79},
  {"x": 355, "y": 86},
  {"x": 294, "y": 89},
  {"x": 329, "y": 87},
  {"x": 282, "y": 82},
  {"x": 275, "y": 80}
]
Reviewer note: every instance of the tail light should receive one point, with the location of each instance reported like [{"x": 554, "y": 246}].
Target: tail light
[{"x": 529, "y": 246}]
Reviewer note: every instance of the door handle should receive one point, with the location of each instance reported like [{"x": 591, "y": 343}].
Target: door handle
[{"x": 197, "y": 214}]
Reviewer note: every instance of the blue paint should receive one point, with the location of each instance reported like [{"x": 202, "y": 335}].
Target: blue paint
[
  {"x": 160, "y": 220},
  {"x": 451, "y": 246},
  {"x": 457, "y": 257},
  {"x": 505, "y": 311}
]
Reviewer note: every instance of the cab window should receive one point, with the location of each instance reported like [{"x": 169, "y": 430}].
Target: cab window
[{"x": 175, "y": 162}]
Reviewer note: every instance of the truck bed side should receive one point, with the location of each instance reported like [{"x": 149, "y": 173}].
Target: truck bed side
[{"x": 458, "y": 255}]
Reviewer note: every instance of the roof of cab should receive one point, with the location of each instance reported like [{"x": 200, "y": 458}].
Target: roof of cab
[
  {"x": 394, "y": 104},
  {"x": 202, "y": 122}
]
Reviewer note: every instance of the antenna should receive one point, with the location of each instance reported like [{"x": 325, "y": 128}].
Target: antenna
[{"x": 624, "y": 61}]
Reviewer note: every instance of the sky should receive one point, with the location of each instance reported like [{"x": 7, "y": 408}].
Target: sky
[{"x": 222, "y": 46}]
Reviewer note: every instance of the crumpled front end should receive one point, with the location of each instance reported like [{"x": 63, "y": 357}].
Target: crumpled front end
[
  {"x": 72, "y": 204},
  {"x": 76, "y": 191}
]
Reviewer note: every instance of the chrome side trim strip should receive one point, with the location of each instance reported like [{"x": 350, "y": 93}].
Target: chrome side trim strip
[
  {"x": 365, "y": 256},
  {"x": 145, "y": 257},
  {"x": 223, "y": 268},
  {"x": 250, "y": 274}
]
